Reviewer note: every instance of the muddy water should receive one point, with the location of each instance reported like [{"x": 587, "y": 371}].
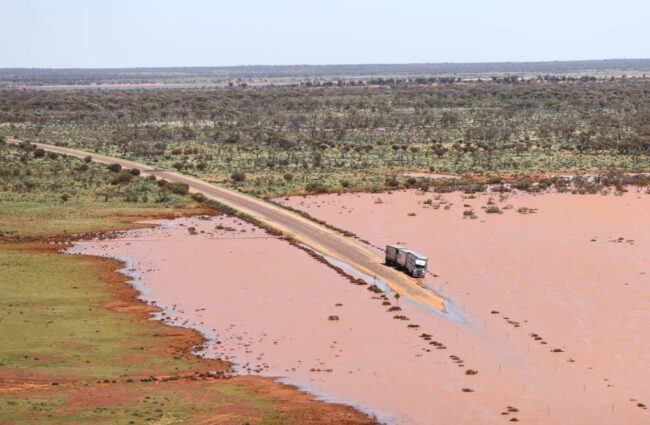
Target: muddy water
[{"x": 561, "y": 273}]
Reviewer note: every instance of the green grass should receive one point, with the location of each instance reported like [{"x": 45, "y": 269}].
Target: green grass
[
  {"x": 139, "y": 403},
  {"x": 54, "y": 317},
  {"x": 56, "y": 197}
]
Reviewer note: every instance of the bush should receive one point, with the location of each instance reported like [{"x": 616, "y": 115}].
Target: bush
[
  {"x": 474, "y": 188},
  {"x": 38, "y": 153},
  {"x": 392, "y": 182},
  {"x": 288, "y": 177},
  {"x": 524, "y": 184},
  {"x": 123, "y": 177},
  {"x": 345, "y": 183},
  {"x": 238, "y": 177},
  {"x": 179, "y": 188},
  {"x": 199, "y": 197},
  {"x": 88, "y": 159},
  {"x": 65, "y": 197},
  {"x": 316, "y": 187},
  {"x": 116, "y": 168},
  {"x": 52, "y": 155},
  {"x": 135, "y": 172},
  {"x": 493, "y": 209},
  {"x": 424, "y": 185}
]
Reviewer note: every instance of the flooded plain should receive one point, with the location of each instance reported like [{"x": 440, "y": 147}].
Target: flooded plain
[{"x": 549, "y": 301}]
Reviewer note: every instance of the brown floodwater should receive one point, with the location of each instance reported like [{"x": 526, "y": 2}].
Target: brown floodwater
[{"x": 548, "y": 319}]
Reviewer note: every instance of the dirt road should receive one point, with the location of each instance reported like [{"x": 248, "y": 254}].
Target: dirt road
[{"x": 319, "y": 238}]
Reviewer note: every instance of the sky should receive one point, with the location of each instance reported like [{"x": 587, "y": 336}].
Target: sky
[{"x": 156, "y": 33}]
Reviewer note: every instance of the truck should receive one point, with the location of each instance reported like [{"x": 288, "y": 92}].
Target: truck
[{"x": 412, "y": 262}]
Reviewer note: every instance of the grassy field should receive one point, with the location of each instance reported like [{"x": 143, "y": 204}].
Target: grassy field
[
  {"x": 58, "y": 195},
  {"x": 75, "y": 344}
]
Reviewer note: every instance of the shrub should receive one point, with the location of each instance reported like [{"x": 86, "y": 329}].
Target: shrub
[
  {"x": 38, "y": 153},
  {"x": 52, "y": 155},
  {"x": 238, "y": 177},
  {"x": 392, "y": 182},
  {"x": 474, "y": 188},
  {"x": 116, "y": 168},
  {"x": 123, "y": 177},
  {"x": 88, "y": 158},
  {"x": 179, "y": 188},
  {"x": 424, "y": 185},
  {"x": 524, "y": 184},
  {"x": 493, "y": 209},
  {"x": 288, "y": 177},
  {"x": 135, "y": 172},
  {"x": 199, "y": 197},
  {"x": 316, "y": 187},
  {"x": 526, "y": 210},
  {"x": 345, "y": 183},
  {"x": 65, "y": 197}
]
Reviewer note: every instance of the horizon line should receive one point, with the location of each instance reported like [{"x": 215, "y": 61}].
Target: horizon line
[{"x": 329, "y": 64}]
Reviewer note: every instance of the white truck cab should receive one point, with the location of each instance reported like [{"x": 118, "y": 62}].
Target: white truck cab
[{"x": 414, "y": 263}]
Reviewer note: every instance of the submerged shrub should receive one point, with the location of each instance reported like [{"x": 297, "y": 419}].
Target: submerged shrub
[{"x": 493, "y": 209}]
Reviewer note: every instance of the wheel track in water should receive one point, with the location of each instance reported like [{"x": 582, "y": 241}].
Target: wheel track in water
[{"x": 316, "y": 236}]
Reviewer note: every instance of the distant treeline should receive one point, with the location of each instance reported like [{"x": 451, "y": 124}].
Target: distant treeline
[{"x": 10, "y": 76}]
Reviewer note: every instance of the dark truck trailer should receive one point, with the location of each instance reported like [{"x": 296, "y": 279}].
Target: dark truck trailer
[{"x": 414, "y": 263}]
